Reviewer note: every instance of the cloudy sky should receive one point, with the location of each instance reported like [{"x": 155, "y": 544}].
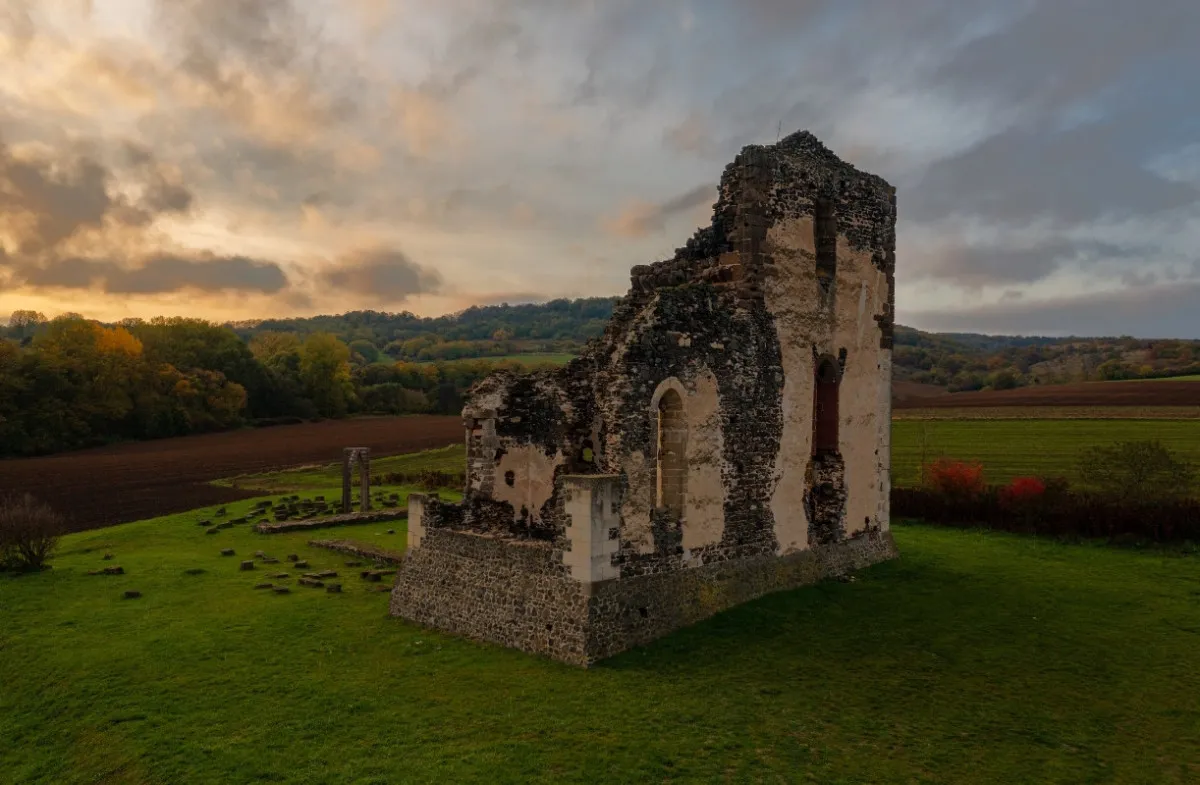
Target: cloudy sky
[{"x": 247, "y": 158}]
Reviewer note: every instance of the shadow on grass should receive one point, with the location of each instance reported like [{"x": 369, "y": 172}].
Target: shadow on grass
[{"x": 910, "y": 607}]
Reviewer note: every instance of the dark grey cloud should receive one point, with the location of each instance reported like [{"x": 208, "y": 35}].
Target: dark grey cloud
[
  {"x": 157, "y": 274},
  {"x": 974, "y": 266},
  {"x": 382, "y": 275},
  {"x": 1025, "y": 174},
  {"x": 1160, "y": 311},
  {"x": 51, "y": 200},
  {"x": 1060, "y": 51},
  {"x": 47, "y": 200}
]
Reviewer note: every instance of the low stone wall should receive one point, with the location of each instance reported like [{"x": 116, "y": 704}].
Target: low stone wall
[
  {"x": 519, "y": 594},
  {"x": 513, "y": 592},
  {"x": 380, "y": 516},
  {"x": 359, "y": 550}
]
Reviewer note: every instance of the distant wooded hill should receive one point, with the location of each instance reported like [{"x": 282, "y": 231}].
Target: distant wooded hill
[
  {"x": 956, "y": 361},
  {"x": 71, "y": 382}
]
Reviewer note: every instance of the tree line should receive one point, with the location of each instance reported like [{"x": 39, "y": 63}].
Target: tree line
[{"x": 70, "y": 382}]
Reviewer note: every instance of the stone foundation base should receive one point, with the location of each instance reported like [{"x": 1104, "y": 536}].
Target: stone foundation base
[{"x": 519, "y": 594}]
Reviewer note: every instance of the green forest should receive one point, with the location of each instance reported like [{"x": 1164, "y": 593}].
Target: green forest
[{"x": 71, "y": 382}]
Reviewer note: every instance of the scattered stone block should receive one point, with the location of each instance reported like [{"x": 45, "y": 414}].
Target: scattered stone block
[
  {"x": 227, "y": 551},
  {"x": 353, "y": 564},
  {"x": 334, "y": 588},
  {"x": 195, "y": 571},
  {"x": 107, "y": 557},
  {"x": 114, "y": 570},
  {"x": 381, "y": 588},
  {"x": 247, "y": 565},
  {"x": 264, "y": 586},
  {"x": 278, "y": 575},
  {"x": 293, "y": 557},
  {"x": 326, "y": 574},
  {"x": 132, "y": 594},
  {"x": 204, "y": 523},
  {"x": 281, "y": 590},
  {"x": 316, "y": 584},
  {"x": 391, "y": 531},
  {"x": 270, "y": 560},
  {"x": 302, "y": 564},
  {"x": 372, "y": 576},
  {"x": 220, "y": 511},
  {"x": 213, "y": 530},
  {"x": 260, "y": 555}
]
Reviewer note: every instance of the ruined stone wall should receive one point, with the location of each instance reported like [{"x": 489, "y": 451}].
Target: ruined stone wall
[
  {"x": 736, "y": 322},
  {"x": 850, "y": 321},
  {"x": 735, "y": 325},
  {"x": 511, "y": 592},
  {"x": 570, "y": 604}
]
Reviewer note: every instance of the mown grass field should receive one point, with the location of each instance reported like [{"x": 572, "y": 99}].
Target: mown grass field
[
  {"x": 1007, "y": 448},
  {"x": 451, "y": 459},
  {"x": 1051, "y": 413},
  {"x": 1193, "y": 378},
  {"x": 974, "y": 658},
  {"x": 527, "y": 358},
  {"x": 1012, "y": 448}
]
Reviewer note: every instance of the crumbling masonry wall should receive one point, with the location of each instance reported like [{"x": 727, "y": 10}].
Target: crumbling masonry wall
[{"x": 712, "y": 357}]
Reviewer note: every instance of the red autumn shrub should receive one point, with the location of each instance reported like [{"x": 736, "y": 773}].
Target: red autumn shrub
[
  {"x": 1022, "y": 489},
  {"x": 954, "y": 479}
]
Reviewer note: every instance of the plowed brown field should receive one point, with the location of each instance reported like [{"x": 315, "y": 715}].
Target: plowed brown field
[
  {"x": 1087, "y": 394},
  {"x": 129, "y": 482}
]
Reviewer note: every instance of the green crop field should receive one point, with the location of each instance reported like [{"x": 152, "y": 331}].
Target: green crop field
[
  {"x": 1011, "y": 448},
  {"x": 1007, "y": 448},
  {"x": 529, "y": 358},
  {"x": 1192, "y": 378},
  {"x": 450, "y": 459},
  {"x": 974, "y": 658}
]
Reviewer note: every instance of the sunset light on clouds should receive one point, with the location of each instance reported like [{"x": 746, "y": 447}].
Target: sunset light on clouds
[{"x": 238, "y": 159}]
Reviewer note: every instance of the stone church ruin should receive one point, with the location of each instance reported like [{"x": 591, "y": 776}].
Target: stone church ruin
[{"x": 727, "y": 436}]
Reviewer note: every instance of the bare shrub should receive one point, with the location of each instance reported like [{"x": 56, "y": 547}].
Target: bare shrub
[
  {"x": 1135, "y": 470},
  {"x": 29, "y": 532}
]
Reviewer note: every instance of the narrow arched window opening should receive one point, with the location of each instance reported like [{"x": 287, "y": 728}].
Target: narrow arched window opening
[
  {"x": 672, "y": 447},
  {"x": 825, "y": 408},
  {"x": 825, "y": 239}
]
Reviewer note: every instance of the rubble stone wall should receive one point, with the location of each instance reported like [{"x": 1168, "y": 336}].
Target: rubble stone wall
[
  {"x": 732, "y": 329},
  {"x": 511, "y": 592}
]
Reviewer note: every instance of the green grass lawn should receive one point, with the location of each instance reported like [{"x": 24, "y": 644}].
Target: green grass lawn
[
  {"x": 1193, "y": 378},
  {"x": 976, "y": 657},
  {"x": 1010, "y": 448},
  {"x": 528, "y": 358},
  {"x": 451, "y": 459}
]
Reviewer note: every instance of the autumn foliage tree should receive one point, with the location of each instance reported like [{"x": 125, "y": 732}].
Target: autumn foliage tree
[{"x": 325, "y": 371}]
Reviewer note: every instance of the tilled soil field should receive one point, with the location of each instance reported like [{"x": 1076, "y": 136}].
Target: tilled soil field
[
  {"x": 1088, "y": 394},
  {"x": 130, "y": 482}
]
